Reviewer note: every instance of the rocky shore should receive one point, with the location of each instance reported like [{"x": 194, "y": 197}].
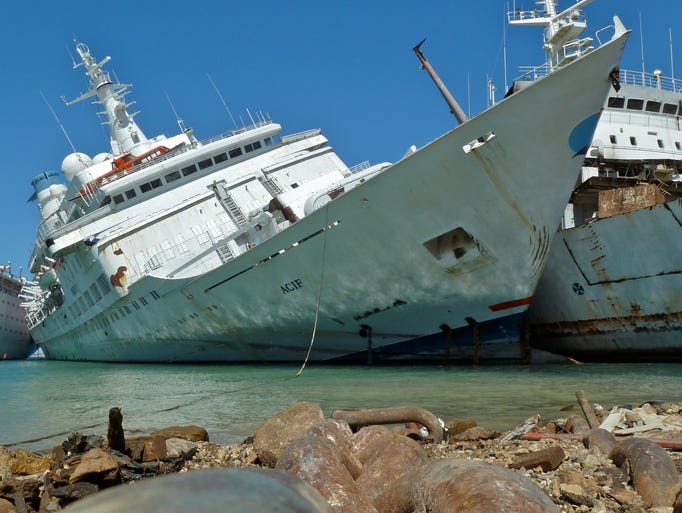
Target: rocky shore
[{"x": 397, "y": 460}]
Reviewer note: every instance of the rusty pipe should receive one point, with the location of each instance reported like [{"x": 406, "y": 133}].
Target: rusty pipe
[{"x": 398, "y": 415}]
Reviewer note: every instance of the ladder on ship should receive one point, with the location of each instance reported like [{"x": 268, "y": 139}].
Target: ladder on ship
[
  {"x": 270, "y": 185},
  {"x": 233, "y": 209},
  {"x": 228, "y": 203}
]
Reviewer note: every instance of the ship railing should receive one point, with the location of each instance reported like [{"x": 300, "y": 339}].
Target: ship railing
[
  {"x": 535, "y": 72},
  {"x": 300, "y": 136},
  {"x": 101, "y": 181},
  {"x": 187, "y": 249},
  {"x": 654, "y": 80},
  {"x": 359, "y": 167},
  {"x": 36, "y": 314},
  {"x": 524, "y": 15},
  {"x": 236, "y": 131}
]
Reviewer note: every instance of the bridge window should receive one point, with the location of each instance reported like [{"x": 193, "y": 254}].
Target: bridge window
[
  {"x": 189, "y": 170},
  {"x": 669, "y": 108},
  {"x": 267, "y": 141},
  {"x": 146, "y": 187},
  {"x": 203, "y": 164},
  {"x": 171, "y": 177},
  {"x": 118, "y": 199},
  {"x": 252, "y": 146},
  {"x": 634, "y": 104},
  {"x": 235, "y": 152},
  {"x": 652, "y": 106},
  {"x": 220, "y": 158},
  {"x": 616, "y": 103},
  {"x": 130, "y": 193}
]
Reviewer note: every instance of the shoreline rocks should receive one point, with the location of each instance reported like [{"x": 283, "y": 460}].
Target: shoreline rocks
[{"x": 629, "y": 465}]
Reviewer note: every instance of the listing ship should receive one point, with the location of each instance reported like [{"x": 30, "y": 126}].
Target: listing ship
[
  {"x": 258, "y": 246},
  {"x": 15, "y": 341},
  {"x": 611, "y": 287}
]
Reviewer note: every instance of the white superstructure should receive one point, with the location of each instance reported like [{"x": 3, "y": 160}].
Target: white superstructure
[
  {"x": 611, "y": 288},
  {"x": 255, "y": 246}
]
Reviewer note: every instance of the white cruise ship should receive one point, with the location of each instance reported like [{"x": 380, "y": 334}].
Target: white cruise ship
[
  {"x": 259, "y": 246},
  {"x": 15, "y": 341}
]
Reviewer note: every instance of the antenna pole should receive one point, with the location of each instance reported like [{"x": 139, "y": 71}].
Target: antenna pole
[
  {"x": 641, "y": 45},
  {"x": 672, "y": 61},
  {"x": 181, "y": 123},
  {"x": 222, "y": 100},
  {"x": 504, "y": 50},
  {"x": 68, "y": 139}
]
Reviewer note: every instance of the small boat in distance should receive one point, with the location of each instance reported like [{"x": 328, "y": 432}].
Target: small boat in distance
[
  {"x": 258, "y": 246},
  {"x": 15, "y": 341}
]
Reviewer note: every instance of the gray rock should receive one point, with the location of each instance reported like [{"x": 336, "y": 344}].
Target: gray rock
[{"x": 209, "y": 491}]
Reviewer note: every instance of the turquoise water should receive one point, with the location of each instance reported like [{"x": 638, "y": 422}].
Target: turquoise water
[{"x": 42, "y": 402}]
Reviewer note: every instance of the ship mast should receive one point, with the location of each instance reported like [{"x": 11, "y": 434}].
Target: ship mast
[
  {"x": 125, "y": 134},
  {"x": 562, "y": 30}
]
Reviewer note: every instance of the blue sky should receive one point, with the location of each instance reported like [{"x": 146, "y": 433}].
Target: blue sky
[{"x": 346, "y": 67}]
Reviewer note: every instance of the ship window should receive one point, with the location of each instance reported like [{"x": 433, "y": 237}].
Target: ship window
[
  {"x": 146, "y": 187},
  {"x": 652, "y": 106},
  {"x": 294, "y": 185},
  {"x": 248, "y": 148},
  {"x": 220, "y": 158},
  {"x": 616, "y": 103},
  {"x": 634, "y": 104},
  {"x": 118, "y": 199},
  {"x": 135, "y": 305},
  {"x": 669, "y": 108},
  {"x": 189, "y": 170},
  {"x": 130, "y": 193},
  {"x": 235, "y": 152},
  {"x": 633, "y": 141},
  {"x": 154, "y": 294},
  {"x": 613, "y": 139},
  {"x": 267, "y": 141},
  {"x": 104, "y": 285},
  {"x": 88, "y": 298},
  {"x": 171, "y": 177},
  {"x": 95, "y": 292},
  {"x": 203, "y": 164},
  {"x": 660, "y": 143},
  {"x": 125, "y": 307},
  {"x": 256, "y": 145},
  {"x": 677, "y": 145},
  {"x": 143, "y": 301}
]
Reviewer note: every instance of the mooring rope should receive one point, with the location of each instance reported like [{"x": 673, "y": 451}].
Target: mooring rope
[{"x": 319, "y": 292}]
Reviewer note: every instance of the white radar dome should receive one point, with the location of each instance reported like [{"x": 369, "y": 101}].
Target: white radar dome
[{"x": 74, "y": 164}]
